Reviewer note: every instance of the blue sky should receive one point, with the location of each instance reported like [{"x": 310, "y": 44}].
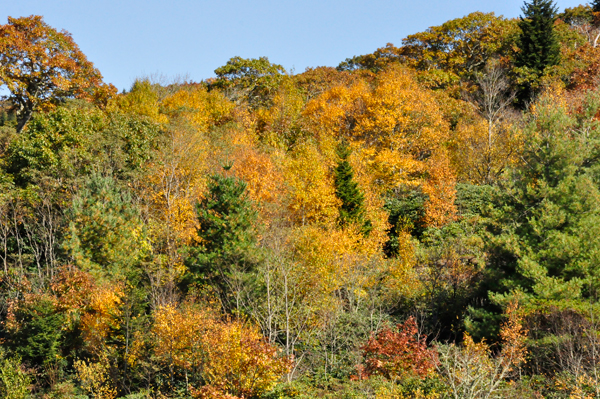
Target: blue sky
[{"x": 127, "y": 39}]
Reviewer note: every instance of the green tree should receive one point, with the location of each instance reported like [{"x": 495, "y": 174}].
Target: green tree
[
  {"x": 538, "y": 44},
  {"x": 75, "y": 139},
  {"x": 14, "y": 381},
  {"x": 595, "y": 5},
  {"x": 106, "y": 235},
  {"x": 39, "y": 336},
  {"x": 543, "y": 233},
  {"x": 352, "y": 210},
  {"x": 227, "y": 248},
  {"x": 254, "y": 80}
]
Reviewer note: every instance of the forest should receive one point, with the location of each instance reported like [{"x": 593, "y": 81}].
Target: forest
[{"x": 419, "y": 222}]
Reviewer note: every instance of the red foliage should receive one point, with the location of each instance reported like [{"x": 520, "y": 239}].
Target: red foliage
[{"x": 398, "y": 354}]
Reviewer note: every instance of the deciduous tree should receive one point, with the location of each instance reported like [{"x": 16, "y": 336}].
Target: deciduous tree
[{"x": 41, "y": 66}]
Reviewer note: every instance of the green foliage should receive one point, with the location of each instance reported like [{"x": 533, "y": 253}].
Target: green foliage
[
  {"x": 39, "y": 335},
  {"x": 14, "y": 381},
  {"x": 253, "y": 78},
  {"x": 76, "y": 139},
  {"x": 406, "y": 214},
  {"x": 106, "y": 235},
  {"x": 346, "y": 189},
  {"x": 582, "y": 14},
  {"x": 538, "y": 44},
  {"x": 544, "y": 230},
  {"x": 227, "y": 235}
]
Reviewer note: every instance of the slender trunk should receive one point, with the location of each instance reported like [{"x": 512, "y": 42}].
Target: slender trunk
[{"x": 23, "y": 118}]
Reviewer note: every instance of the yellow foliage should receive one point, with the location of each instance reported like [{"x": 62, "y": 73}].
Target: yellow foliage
[
  {"x": 178, "y": 334},
  {"x": 310, "y": 185},
  {"x": 102, "y": 315},
  {"x": 480, "y": 153},
  {"x": 277, "y": 123},
  {"x": 95, "y": 378},
  {"x": 329, "y": 260},
  {"x": 234, "y": 358},
  {"x": 401, "y": 130},
  {"x": 198, "y": 107},
  {"x": 240, "y": 362},
  {"x": 141, "y": 100},
  {"x": 171, "y": 187}
]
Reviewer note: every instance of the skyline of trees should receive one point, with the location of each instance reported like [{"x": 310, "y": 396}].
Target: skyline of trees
[{"x": 402, "y": 226}]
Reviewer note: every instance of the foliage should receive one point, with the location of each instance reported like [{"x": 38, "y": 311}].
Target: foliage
[
  {"x": 65, "y": 143},
  {"x": 398, "y": 355},
  {"x": 538, "y": 45},
  {"x": 94, "y": 379},
  {"x": 544, "y": 253},
  {"x": 15, "y": 382},
  {"x": 470, "y": 371},
  {"x": 226, "y": 249},
  {"x": 35, "y": 331},
  {"x": 41, "y": 66},
  {"x": 259, "y": 234},
  {"x": 106, "y": 235},
  {"x": 459, "y": 48},
  {"x": 351, "y": 209},
  {"x": 252, "y": 78}
]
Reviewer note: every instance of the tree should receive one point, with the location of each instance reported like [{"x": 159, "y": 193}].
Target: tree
[
  {"x": 227, "y": 238},
  {"x": 595, "y": 6},
  {"x": 40, "y": 66},
  {"x": 538, "y": 44},
  {"x": 346, "y": 189},
  {"x": 106, "y": 235},
  {"x": 400, "y": 354},
  {"x": 543, "y": 233},
  {"x": 253, "y": 79},
  {"x": 460, "y": 47}
]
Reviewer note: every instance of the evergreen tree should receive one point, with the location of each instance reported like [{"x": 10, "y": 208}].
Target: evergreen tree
[
  {"x": 227, "y": 247},
  {"x": 538, "y": 43},
  {"x": 544, "y": 231},
  {"x": 346, "y": 189},
  {"x": 595, "y": 5},
  {"x": 106, "y": 235}
]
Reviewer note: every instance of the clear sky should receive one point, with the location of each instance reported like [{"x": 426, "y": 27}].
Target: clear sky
[{"x": 126, "y": 39}]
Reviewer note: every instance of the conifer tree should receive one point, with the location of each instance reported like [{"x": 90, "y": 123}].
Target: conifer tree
[
  {"x": 346, "y": 189},
  {"x": 538, "y": 43},
  {"x": 227, "y": 236},
  {"x": 595, "y": 5}
]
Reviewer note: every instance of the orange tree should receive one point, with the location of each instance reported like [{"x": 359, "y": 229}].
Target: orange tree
[{"x": 39, "y": 65}]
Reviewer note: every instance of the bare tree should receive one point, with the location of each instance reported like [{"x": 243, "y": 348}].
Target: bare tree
[{"x": 492, "y": 101}]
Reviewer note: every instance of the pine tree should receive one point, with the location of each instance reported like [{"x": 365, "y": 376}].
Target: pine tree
[
  {"x": 538, "y": 43},
  {"x": 227, "y": 237},
  {"x": 544, "y": 230},
  {"x": 346, "y": 189},
  {"x": 595, "y": 5}
]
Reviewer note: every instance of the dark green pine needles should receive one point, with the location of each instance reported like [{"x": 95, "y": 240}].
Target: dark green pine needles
[
  {"x": 538, "y": 44},
  {"x": 346, "y": 189}
]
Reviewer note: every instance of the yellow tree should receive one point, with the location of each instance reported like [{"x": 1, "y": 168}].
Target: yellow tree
[
  {"x": 311, "y": 191},
  {"x": 399, "y": 127},
  {"x": 176, "y": 180}
]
